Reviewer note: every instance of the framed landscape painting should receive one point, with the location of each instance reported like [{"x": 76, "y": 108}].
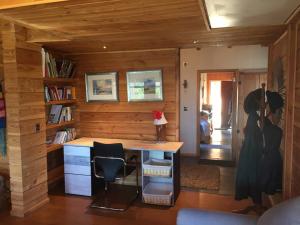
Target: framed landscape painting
[
  {"x": 101, "y": 86},
  {"x": 144, "y": 85}
]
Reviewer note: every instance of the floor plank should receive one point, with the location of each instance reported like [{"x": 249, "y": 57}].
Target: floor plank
[{"x": 74, "y": 210}]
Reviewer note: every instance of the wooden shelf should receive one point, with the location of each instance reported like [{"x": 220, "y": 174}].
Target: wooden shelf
[
  {"x": 59, "y": 80},
  {"x": 53, "y": 147},
  {"x": 58, "y": 125},
  {"x": 61, "y": 102}
]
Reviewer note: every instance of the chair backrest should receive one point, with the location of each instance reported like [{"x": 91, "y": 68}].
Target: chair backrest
[
  {"x": 285, "y": 213},
  {"x": 108, "y": 158}
]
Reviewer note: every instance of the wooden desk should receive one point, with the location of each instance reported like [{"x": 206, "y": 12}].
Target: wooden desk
[{"x": 78, "y": 163}]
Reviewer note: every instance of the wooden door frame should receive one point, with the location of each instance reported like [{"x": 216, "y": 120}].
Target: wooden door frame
[{"x": 234, "y": 107}]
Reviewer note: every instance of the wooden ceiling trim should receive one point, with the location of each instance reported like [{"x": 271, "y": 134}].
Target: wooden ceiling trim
[
  {"x": 34, "y": 36},
  {"x": 101, "y": 15},
  {"x": 295, "y": 15},
  {"x": 96, "y": 6},
  {"x": 6, "y": 4},
  {"x": 205, "y": 16}
]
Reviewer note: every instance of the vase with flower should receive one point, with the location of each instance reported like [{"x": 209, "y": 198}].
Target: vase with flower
[{"x": 160, "y": 125}]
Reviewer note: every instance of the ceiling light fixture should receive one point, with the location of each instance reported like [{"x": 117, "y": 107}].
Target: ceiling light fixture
[
  {"x": 104, "y": 47},
  {"x": 195, "y": 41}
]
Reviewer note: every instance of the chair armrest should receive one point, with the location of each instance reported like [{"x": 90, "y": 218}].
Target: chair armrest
[{"x": 203, "y": 217}]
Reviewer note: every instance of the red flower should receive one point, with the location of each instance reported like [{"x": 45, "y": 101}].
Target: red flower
[{"x": 157, "y": 115}]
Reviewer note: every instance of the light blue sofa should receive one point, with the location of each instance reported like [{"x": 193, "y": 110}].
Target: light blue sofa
[{"x": 285, "y": 213}]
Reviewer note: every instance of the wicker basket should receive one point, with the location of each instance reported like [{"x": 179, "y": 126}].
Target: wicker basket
[
  {"x": 158, "y": 167},
  {"x": 158, "y": 194}
]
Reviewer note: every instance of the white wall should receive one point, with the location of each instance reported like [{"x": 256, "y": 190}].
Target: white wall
[{"x": 211, "y": 58}]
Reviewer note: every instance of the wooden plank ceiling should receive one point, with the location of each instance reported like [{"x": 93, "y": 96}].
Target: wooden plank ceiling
[{"x": 88, "y": 25}]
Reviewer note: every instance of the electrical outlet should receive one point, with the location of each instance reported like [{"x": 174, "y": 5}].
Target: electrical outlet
[{"x": 37, "y": 127}]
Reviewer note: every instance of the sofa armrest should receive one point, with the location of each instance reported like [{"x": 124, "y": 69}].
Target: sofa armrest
[{"x": 203, "y": 217}]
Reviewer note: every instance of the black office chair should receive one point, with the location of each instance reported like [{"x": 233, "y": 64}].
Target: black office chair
[{"x": 109, "y": 165}]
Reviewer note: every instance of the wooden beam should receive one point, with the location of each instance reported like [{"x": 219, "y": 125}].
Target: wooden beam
[
  {"x": 204, "y": 14},
  {"x": 7, "y": 4},
  {"x": 38, "y": 36},
  {"x": 294, "y": 16}
]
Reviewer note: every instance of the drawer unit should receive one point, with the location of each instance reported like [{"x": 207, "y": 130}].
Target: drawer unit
[
  {"x": 78, "y": 184},
  {"x": 77, "y": 165}
]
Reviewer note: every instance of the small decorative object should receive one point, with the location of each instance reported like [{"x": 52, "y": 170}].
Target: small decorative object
[
  {"x": 144, "y": 85},
  {"x": 101, "y": 87},
  {"x": 160, "y": 124}
]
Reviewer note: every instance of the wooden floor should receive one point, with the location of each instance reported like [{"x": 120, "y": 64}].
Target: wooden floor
[
  {"x": 220, "y": 147},
  {"x": 73, "y": 210}
]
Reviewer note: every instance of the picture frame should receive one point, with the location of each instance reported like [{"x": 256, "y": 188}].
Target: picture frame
[
  {"x": 101, "y": 86},
  {"x": 144, "y": 85}
]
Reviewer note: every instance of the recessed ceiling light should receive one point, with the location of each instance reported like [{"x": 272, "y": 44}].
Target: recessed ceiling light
[{"x": 104, "y": 47}]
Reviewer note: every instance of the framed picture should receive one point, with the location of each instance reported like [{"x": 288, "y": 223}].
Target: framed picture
[
  {"x": 144, "y": 85},
  {"x": 101, "y": 86}
]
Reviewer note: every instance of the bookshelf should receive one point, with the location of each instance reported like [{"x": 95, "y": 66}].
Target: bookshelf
[
  {"x": 61, "y": 102},
  {"x": 60, "y": 105},
  {"x": 58, "y": 80},
  {"x": 59, "y": 125}
]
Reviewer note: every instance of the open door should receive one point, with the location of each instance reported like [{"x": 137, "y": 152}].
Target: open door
[
  {"x": 246, "y": 82},
  {"x": 216, "y": 115}
]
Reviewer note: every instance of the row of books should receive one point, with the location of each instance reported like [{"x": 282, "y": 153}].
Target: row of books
[
  {"x": 66, "y": 135},
  {"x": 59, "y": 114},
  {"x": 54, "y": 93},
  {"x": 62, "y": 68}
]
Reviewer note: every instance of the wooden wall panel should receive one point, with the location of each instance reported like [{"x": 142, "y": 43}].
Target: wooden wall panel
[
  {"x": 288, "y": 48},
  {"x": 123, "y": 119},
  {"x": 25, "y": 110},
  {"x": 3, "y": 160},
  {"x": 295, "y": 187}
]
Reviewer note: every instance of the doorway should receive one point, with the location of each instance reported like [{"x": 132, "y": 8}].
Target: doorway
[{"x": 216, "y": 113}]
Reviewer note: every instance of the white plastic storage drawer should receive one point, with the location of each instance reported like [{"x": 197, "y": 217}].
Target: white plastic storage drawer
[
  {"x": 78, "y": 184},
  {"x": 158, "y": 193},
  {"x": 77, "y": 160},
  {"x": 157, "y": 167}
]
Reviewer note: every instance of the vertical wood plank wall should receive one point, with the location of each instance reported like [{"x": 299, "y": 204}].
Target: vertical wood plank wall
[
  {"x": 3, "y": 160},
  {"x": 25, "y": 109},
  {"x": 295, "y": 189},
  {"x": 123, "y": 119},
  {"x": 287, "y": 48}
]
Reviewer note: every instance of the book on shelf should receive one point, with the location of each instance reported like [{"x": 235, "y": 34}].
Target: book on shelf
[
  {"x": 54, "y": 115},
  {"x": 64, "y": 136},
  {"x": 57, "y": 68},
  {"x": 60, "y": 114},
  {"x": 66, "y": 114},
  {"x": 55, "y": 93}
]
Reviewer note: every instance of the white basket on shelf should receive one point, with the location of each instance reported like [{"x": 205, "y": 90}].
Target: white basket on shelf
[
  {"x": 158, "y": 193},
  {"x": 158, "y": 167}
]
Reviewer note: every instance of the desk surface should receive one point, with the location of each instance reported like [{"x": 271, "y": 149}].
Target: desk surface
[{"x": 139, "y": 145}]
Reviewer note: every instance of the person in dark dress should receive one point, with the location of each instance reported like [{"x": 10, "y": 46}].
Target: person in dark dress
[
  {"x": 260, "y": 164},
  {"x": 271, "y": 163},
  {"x": 247, "y": 182}
]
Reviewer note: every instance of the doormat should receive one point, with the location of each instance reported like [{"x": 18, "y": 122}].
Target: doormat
[{"x": 199, "y": 177}]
